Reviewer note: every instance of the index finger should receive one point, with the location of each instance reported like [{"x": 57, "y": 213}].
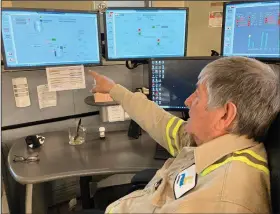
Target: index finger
[{"x": 94, "y": 74}]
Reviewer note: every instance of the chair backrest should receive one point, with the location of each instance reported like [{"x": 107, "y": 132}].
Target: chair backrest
[{"x": 272, "y": 145}]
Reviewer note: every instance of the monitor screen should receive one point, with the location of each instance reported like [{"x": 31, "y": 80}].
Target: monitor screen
[
  {"x": 34, "y": 38},
  {"x": 252, "y": 29},
  {"x": 172, "y": 81},
  {"x": 145, "y": 33}
]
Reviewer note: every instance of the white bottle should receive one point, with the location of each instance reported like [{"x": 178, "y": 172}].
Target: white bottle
[{"x": 102, "y": 132}]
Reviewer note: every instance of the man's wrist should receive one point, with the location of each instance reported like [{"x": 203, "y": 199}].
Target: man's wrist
[
  {"x": 111, "y": 87},
  {"x": 117, "y": 92},
  {"x": 114, "y": 91}
]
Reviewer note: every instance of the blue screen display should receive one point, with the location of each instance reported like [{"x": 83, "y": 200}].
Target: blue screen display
[
  {"x": 133, "y": 34},
  {"x": 33, "y": 38},
  {"x": 252, "y": 29}
]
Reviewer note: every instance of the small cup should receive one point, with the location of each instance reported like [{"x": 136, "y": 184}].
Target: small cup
[{"x": 77, "y": 138}]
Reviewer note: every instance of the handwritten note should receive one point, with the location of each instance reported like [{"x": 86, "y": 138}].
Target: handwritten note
[
  {"x": 46, "y": 98},
  {"x": 116, "y": 113},
  {"x": 66, "y": 78}
]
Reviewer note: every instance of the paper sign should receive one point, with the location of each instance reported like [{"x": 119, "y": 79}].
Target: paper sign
[
  {"x": 115, "y": 113},
  {"x": 66, "y": 78},
  {"x": 215, "y": 19},
  {"x": 46, "y": 98},
  {"x": 102, "y": 98},
  {"x": 21, "y": 92}
]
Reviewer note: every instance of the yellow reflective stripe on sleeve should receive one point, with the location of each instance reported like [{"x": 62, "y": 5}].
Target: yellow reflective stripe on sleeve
[
  {"x": 110, "y": 211},
  {"x": 239, "y": 158},
  {"x": 250, "y": 152},
  {"x": 175, "y": 131},
  {"x": 169, "y": 124}
]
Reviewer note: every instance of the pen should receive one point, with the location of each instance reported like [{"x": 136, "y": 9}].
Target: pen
[{"x": 78, "y": 127}]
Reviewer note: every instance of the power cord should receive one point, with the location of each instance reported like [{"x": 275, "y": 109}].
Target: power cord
[
  {"x": 131, "y": 65},
  {"x": 135, "y": 63}
]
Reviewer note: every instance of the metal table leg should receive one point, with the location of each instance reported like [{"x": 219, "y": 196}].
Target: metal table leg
[
  {"x": 85, "y": 192},
  {"x": 28, "y": 199}
]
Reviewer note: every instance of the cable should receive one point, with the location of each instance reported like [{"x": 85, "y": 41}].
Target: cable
[
  {"x": 135, "y": 63},
  {"x": 131, "y": 65}
]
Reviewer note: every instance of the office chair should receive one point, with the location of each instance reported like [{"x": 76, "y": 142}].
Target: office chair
[
  {"x": 272, "y": 145},
  {"x": 141, "y": 179}
]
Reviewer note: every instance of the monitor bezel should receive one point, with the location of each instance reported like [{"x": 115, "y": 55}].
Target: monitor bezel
[
  {"x": 143, "y": 8},
  {"x": 225, "y": 4},
  {"x": 176, "y": 58},
  {"x": 6, "y": 67}
]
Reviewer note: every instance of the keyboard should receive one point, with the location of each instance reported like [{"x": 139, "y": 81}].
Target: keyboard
[{"x": 161, "y": 153}]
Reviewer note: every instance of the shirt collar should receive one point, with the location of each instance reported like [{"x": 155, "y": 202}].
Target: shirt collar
[{"x": 210, "y": 152}]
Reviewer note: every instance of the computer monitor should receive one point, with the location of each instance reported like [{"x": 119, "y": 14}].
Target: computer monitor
[
  {"x": 172, "y": 81},
  {"x": 144, "y": 33},
  {"x": 39, "y": 38},
  {"x": 252, "y": 29}
]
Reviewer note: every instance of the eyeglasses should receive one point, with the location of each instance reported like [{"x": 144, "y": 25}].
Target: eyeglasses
[{"x": 28, "y": 159}]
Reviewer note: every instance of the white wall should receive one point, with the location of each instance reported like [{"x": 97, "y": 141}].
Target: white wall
[{"x": 201, "y": 38}]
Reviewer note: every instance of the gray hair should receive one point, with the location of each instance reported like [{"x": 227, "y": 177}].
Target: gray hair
[{"x": 251, "y": 85}]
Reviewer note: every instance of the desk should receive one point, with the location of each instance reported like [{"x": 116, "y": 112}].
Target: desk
[{"x": 116, "y": 154}]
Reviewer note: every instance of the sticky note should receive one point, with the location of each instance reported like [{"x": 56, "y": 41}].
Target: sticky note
[{"x": 102, "y": 98}]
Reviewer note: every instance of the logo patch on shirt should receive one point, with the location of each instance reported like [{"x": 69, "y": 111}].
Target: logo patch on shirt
[{"x": 184, "y": 181}]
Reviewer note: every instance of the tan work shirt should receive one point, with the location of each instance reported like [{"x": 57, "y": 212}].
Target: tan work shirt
[{"x": 231, "y": 171}]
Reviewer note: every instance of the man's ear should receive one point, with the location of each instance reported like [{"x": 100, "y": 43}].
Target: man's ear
[
  {"x": 226, "y": 116},
  {"x": 230, "y": 114}
]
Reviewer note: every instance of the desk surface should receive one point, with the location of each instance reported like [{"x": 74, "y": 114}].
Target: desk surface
[{"x": 116, "y": 154}]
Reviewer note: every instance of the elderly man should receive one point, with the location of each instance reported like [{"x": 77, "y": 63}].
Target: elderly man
[{"x": 219, "y": 164}]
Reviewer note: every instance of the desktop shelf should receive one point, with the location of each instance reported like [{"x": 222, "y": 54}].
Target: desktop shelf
[{"x": 90, "y": 101}]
